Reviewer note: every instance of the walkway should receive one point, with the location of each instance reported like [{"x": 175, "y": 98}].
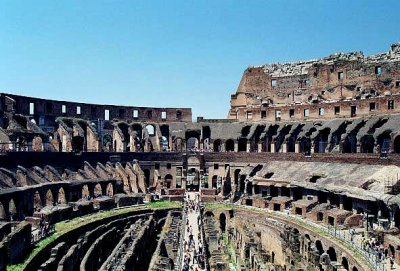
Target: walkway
[{"x": 191, "y": 229}]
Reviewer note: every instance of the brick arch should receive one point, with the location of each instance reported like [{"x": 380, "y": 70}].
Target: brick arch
[
  {"x": 97, "y": 190},
  {"x": 37, "y": 200},
  {"x": 49, "y": 198},
  {"x": 3, "y": 212},
  {"x": 109, "y": 190},
  {"x": 61, "y": 196}
]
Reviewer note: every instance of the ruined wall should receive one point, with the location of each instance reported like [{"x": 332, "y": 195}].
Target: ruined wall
[{"x": 263, "y": 90}]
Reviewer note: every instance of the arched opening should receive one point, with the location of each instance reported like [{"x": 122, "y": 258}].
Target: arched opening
[
  {"x": 305, "y": 145},
  {"x": 217, "y": 145},
  {"x": 355, "y": 268},
  {"x": 345, "y": 263},
  {"x": 249, "y": 188},
  {"x": 396, "y": 144},
  {"x": 214, "y": 181},
  {"x": 124, "y": 128},
  {"x": 193, "y": 179},
  {"x": 110, "y": 190},
  {"x": 12, "y": 210},
  {"x": 222, "y": 222},
  {"x": 383, "y": 141},
  {"x": 236, "y": 177},
  {"x": 332, "y": 254},
  {"x": 37, "y": 201},
  {"x": 137, "y": 137},
  {"x": 146, "y": 177},
  {"x": 3, "y": 214},
  {"x": 150, "y": 130},
  {"x": 367, "y": 144},
  {"x": 168, "y": 181},
  {"x": 164, "y": 141},
  {"x": 350, "y": 144},
  {"x": 107, "y": 143},
  {"x": 98, "y": 191},
  {"x": 49, "y": 198},
  {"x": 319, "y": 247},
  {"x": 242, "y": 183},
  {"x": 192, "y": 144},
  {"x": 209, "y": 214},
  {"x": 321, "y": 141},
  {"x": 242, "y": 144},
  {"x": 77, "y": 143},
  {"x": 61, "y": 196},
  {"x": 85, "y": 192},
  {"x": 230, "y": 145},
  {"x": 37, "y": 143},
  {"x": 178, "y": 144}
]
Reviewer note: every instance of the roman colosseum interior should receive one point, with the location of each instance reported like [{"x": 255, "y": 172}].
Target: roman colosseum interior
[{"x": 302, "y": 175}]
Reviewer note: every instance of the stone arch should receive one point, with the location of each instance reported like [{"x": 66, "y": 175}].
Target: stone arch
[
  {"x": 77, "y": 143},
  {"x": 12, "y": 210},
  {"x": 230, "y": 145},
  {"x": 222, "y": 222},
  {"x": 168, "y": 180},
  {"x": 396, "y": 144},
  {"x": 209, "y": 214},
  {"x": 107, "y": 143},
  {"x": 151, "y": 130},
  {"x": 242, "y": 183},
  {"x": 49, "y": 198},
  {"x": 350, "y": 144},
  {"x": 85, "y": 192},
  {"x": 367, "y": 144},
  {"x": 3, "y": 213},
  {"x": 214, "y": 181},
  {"x": 332, "y": 254},
  {"x": 37, "y": 143},
  {"x": 345, "y": 263},
  {"x": 192, "y": 143},
  {"x": 242, "y": 144},
  {"x": 383, "y": 141},
  {"x": 37, "y": 201},
  {"x": 178, "y": 144},
  {"x": 146, "y": 177},
  {"x": 110, "y": 190},
  {"x": 97, "y": 190},
  {"x": 236, "y": 176},
  {"x": 217, "y": 145},
  {"x": 319, "y": 247},
  {"x": 61, "y": 196}
]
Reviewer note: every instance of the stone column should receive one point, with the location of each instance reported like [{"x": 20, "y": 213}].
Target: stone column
[
  {"x": 247, "y": 147},
  {"x": 259, "y": 147},
  {"x": 236, "y": 147},
  {"x": 297, "y": 147},
  {"x": 272, "y": 147},
  {"x": 284, "y": 148}
]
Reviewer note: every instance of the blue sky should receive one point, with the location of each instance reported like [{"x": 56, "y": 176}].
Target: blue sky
[{"x": 174, "y": 53}]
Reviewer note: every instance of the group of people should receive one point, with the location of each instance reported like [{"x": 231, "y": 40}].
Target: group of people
[
  {"x": 372, "y": 245},
  {"x": 194, "y": 254}
]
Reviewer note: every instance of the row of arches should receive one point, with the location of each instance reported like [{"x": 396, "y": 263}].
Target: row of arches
[{"x": 11, "y": 209}]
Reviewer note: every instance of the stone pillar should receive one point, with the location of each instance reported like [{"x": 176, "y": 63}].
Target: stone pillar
[
  {"x": 279, "y": 191},
  {"x": 284, "y": 148},
  {"x": 297, "y": 147},
  {"x": 312, "y": 148},
  {"x": 259, "y": 147},
  {"x": 236, "y": 147},
  {"x": 341, "y": 202},
  {"x": 272, "y": 147},
  {"x": 247, "y": 147}
]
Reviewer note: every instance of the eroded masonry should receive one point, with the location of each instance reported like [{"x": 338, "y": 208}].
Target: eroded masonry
[{"x": 302, "y": 175}]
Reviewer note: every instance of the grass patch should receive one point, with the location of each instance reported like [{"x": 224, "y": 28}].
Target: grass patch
[
  {"x": 164, "y": 204},
  {"x": 231, "y": 250},
  {"x": 218, "y": 206}
]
